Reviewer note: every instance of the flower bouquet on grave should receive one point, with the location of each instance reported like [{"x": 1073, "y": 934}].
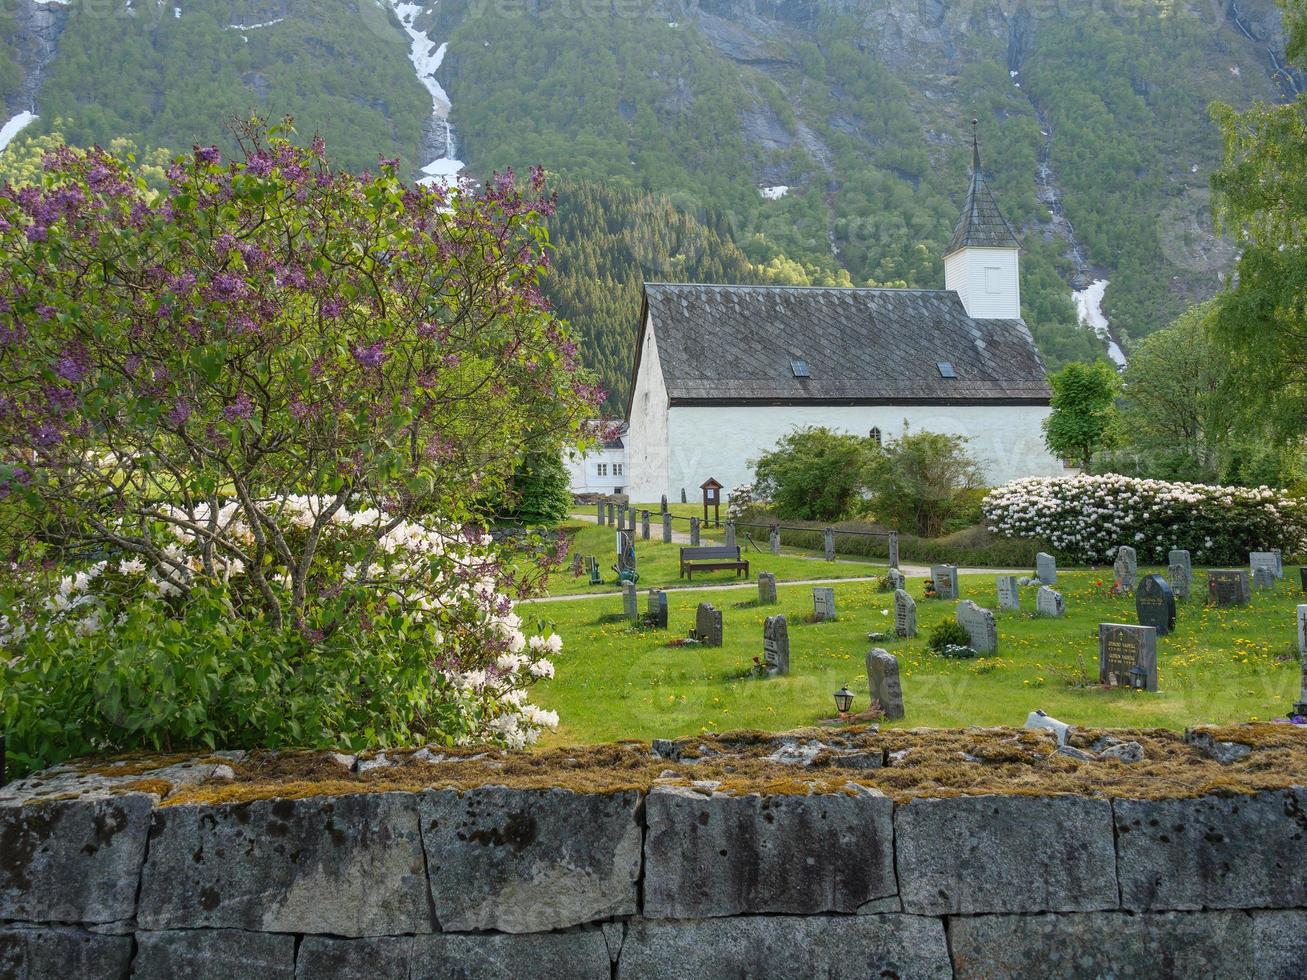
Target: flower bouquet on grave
[
  {"x": 1120, "y": 588},
  {"x": 957, "y": 651},
  {"x": 928, "y": 589}
]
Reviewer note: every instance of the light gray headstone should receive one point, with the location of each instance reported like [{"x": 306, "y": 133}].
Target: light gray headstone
[
  {"x": 883, "y": 683},
  {"x": 905, "y": 615},
  {"x": 708, "y": 625},
  {"x": 1180, "y": 556},
  {"x": 774, "y": 539},
  {"x": 1009, "y": 596},
  {"x": 1181, "y": 578},
  {"x": 1123, "y": 649},
  {"x": 658, "y": 608},
  {"x": 630, "y": 603},
  {"x": 766, "y": 589},
  {"x": 945, "y": 578},
  {"x": 730, "y": 534},
  {"x": 894, "y": 549},
  {"x": 980, "y": 626},
  {"x": 1126, "y": 566},
  {"x": 1048, "y": 602},
  {"x": 828, "y": 543},
  {"x": 1263, "y": 577},
  {"x": 1272, "y": 559},
  {"x": 776, "y": 645},
  {"x": 823, "y": 604},
  {"x": 1046, "y": 568},
  {"x": 694, "y": 532},
  {"x": 897, "y": 580},
  {"x": 644, "y": 525},
  {"x": 667, "y": 528}
]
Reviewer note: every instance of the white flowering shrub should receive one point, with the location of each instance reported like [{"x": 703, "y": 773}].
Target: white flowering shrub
[
  {"x": 407, "y": 636},
  {"x": 740, "y": 500},
  {"x": 1088, "y": 517}
]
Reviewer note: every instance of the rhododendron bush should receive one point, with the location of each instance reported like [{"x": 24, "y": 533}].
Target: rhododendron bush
[
  {"x": 1088, "y": 517},
  {"x": 254, "y": 415}
]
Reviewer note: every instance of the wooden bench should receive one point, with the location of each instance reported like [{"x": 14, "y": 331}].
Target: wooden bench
[{"x": 712, "y": 559}]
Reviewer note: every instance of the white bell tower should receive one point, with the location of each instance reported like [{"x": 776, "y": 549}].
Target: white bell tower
[{"x": 981, "y": 262}]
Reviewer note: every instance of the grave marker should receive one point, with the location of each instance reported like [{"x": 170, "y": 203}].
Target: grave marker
[
  {"x": 883, "y": 683},
  {"x": 774, "y": 539},
  {"x": 658, "y": 609},
  {"x": 1046, "y": 568},
  {"x": 1263, "y": 577},
  {"x": 707, "y": 625},
  {"x": 684, "y": 499},
  {"x": 776, "y": 645},
  {"x": 823, "y": 604},
  {"x": 1228, "y": 587},
  {"x": 1126, "y": 567},
  {"x": 897, "y": 580},
  {"x": 945, "y": 578},
  {"x": 828, "y": 543},
  {"x": 1301, "y": 707},
  {"x": 1181, "y": 578},
  {"x": 644, "y": 525},
  {"x": 980, "y": 626},
  {"x": 1155, "y": 604},
  {"x": 1180, "y": 556},
  {"x": 1302, "y": 574},
  {"x": 905, "y": 615},
  {"x": 694, "y": 532},
  {"x": 1048, "y": 602},
  {"x": 1009, "y": 596},
  {"x": 766, "y": 589},
  {"x": 894, "y": 549},
  {"x": 730, "y": 534},
  {"x": 667, "y": 528},
  {"x": 630, "y": 603},
  {"x": 1127, "y": 656},
  {"x": 1272, "y": 559}
]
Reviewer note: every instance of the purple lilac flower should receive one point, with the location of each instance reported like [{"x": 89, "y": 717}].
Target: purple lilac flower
[
  {"x": 179, "y": 414},
  {"x": 207, "y": 154},
  {"x": 241, "y": 408},
  {"x": 372, "y": 355}
]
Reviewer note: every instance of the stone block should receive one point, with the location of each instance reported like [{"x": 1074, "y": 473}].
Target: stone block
[
  {"x": 579, "y": 955},
  {"x": 73, "y": 861},
  {"x": 732, "y": 855},
  {"x": 530, "y": 860},
  {"x": 786, "y": 947},
  {"x": 1213, "y": 852},
  {"x": 214, "y": 954},
  {"x": 370, "y": 958},
  {"x": 347, "y": 866},
  {"x": 989, "y": 854},
  {"x": 58, "y": 952},
  {"x": 1117, "y": 944}
]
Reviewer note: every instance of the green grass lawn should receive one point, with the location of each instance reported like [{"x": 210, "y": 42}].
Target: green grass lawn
[
  {"x": 614, "y": 681},
  {"x": 659, "y": 564}
]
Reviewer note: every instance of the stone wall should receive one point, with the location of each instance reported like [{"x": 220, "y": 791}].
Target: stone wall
[{"x": 681, "y": 881}]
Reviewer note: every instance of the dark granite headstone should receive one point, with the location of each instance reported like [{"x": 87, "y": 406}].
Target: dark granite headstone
[
  {"x": 1229, "y": 587},
  {"x": 776, "y": 645},
  {"x": 658, "y": 609},
  {"x": 883, "y": 682},
  {"x": 1302, "y": 576},
  {"x": 708, "y": 625},
  {"x": 1127, "y": 656},
  {"x": 1155, "y": 604}
]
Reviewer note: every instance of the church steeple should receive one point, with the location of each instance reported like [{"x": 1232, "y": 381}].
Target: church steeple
[{"x": 980, "y": 263}]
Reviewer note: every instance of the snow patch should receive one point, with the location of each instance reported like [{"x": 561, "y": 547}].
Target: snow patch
[
  {"x": 15, "y": 126},
  {"x": 426, "y": 56},
  {"x": 1089, "y": 307},
  {"x": 774, "y": 193}
]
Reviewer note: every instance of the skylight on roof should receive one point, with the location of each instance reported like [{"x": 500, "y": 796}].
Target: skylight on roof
[
  {"x": 800, "y": 369},
  {"x": 946, "y": 369}
]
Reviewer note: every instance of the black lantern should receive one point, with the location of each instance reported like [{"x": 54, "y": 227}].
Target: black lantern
[{"x": 843, "y": 701}]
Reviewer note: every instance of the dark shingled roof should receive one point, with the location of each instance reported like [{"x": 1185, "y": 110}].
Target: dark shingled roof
[
  {"x": 982, "y": 224},
  {"x": 736, "y": 344}
]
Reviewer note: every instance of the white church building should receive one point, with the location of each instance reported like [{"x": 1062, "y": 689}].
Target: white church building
[{"x": 723, "y": 372}]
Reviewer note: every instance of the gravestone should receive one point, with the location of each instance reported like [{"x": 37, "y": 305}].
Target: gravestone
[
  {"x": 883, "y": 683},
  {"x": 1127, "y": 656},
  {"x": 894, "y": 549},
  {"x": 1181, "y": 579},
  {"x": 774, "y": 539},
  {"x": 945, "y": 578},
  {"x": 828, "y": 543},
  {"x": 1009, "y": 596},
  {"x": 823, "y": 604},
  {"x": 707, "y": 625},
  {"x": 897, "y": 580},
  {"x": 730, "y": 534},
  {"x": 602, "y": 519},
  {"x": 1229, "y": 587},
  {"x": 1155, "y": 604},
  {"x": 694, "y": 532},
  {"x": 980, "y": 626},
  {"x": 766, "y": 589},
  {"x": 1048, "y": 602},
  {"x": 1126, "y": 567},
  {"x": 1272, "y": 559},
  {"x": 1263, "y": 577},
  {"x": 1302, "y": 574},
  {"x": 664, "y": 504},
  {"x": 658, "y": 609},
  {"x": 644, "y": 525},
  {"x": 1301, "y": 707},
  {"x": 905, "y": 615},
  {"x": 1180, "y": 556},
  {"x": 667, "y": 528},
  {"x": 776, "y": 645},
  {"x": 684, "y": 499},
  {"x": 1046, "y": 568},
  {"x": 630, "y": 602}
]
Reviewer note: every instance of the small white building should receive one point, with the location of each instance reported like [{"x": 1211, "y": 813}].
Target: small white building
[
  {"x": 722, "y": 372},
  {"x": 603, "y": 469}
]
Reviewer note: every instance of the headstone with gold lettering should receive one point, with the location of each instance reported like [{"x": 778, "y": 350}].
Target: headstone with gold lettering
[{"x": 1127, "y": 656}]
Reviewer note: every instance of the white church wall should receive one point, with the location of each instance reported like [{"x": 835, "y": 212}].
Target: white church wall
[
  {"x": 647, "y": 433},
  {"x": 957, "y": 270},
  {"x": 1007, "y": 440},
  {"x": 993, "y": 286}
]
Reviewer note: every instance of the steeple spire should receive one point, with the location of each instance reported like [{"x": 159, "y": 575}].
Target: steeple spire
[
  {"x": 982, "y": 224},
  {"x": 975, "y": 147}
]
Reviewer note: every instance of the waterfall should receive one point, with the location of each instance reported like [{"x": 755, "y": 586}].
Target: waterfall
[{"x": 426, "y": 56}]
